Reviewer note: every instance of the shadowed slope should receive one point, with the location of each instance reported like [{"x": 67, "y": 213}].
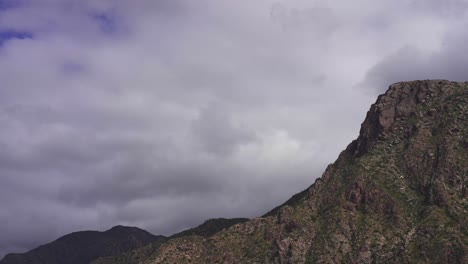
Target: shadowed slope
[
  {"x": 82, "y": 247},
  {"x": 207, "y": 229}
]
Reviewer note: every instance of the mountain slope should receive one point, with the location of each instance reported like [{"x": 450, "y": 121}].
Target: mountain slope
[
  {"x": 85, "y": 246},
  {"x": 207, "y": 229},
  {"x": 397, "y": 194},
  {"x": 210, "y": 227}
]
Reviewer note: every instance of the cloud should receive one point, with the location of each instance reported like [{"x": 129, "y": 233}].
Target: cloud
[
  {"x": 162, "y": 114},
  {"x": 216, "y": 132},
  {"x": 410, "y": 63}
]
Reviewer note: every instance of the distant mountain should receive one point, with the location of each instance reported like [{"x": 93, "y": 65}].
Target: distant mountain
[
  {"x": 85, "y": 246},
  {"x": 397, "y": 194},
  {"x": 208, "y": 228},
  {"x": 119, "y": 244}
]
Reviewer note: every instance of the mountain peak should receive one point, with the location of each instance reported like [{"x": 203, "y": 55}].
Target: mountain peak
[
  {"x": 126, "y": 229},
  {"x": 402, "y": 101},
  {"x": 84, "y": 246}
]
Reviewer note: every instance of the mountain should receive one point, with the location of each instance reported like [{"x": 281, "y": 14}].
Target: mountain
[
  {"x": 85, "y": 246},
  {"x": 210, "y": 227},
  {"x": 207, "y": 229},
  {"x": 119, "y": 244},
  {"x": 396, "y": 194}
]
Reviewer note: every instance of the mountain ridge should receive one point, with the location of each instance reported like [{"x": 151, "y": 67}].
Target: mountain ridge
[
  {"x": 109, "y": 252},
  {"x": 206, "y": 229},
  {"x": 84, "y": 246}
]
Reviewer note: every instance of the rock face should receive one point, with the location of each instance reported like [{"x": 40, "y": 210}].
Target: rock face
[
  {"x": 83, "y": 247},
  {"x": 397, "y": 194}
]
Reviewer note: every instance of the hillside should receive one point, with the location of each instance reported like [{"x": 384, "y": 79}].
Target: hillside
[
  {"x": 82, "y": 247},
  {"x": 117, "y": 245},
  {"x": 397, "y": 194},
  {"x": 207, "y": 229}
]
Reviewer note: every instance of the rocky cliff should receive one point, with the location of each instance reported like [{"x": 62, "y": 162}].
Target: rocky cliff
[{"x": 397, "y": 194}]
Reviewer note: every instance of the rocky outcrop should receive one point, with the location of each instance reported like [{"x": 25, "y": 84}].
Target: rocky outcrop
[{"x": 400, "y": 102}]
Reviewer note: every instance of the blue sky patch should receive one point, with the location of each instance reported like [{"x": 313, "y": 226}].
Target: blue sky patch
[
  {"x": 7, "y": 4},
  {"x": 11, "y": 34},
  {"x": 106, "y": 22}
]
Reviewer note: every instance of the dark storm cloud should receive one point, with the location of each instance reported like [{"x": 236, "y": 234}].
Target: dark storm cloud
[{"x": 162, "y": 114}]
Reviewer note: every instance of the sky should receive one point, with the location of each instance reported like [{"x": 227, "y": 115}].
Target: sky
[{"x": 164, "y": 113}]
